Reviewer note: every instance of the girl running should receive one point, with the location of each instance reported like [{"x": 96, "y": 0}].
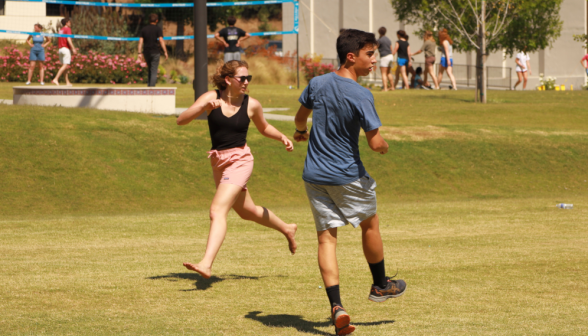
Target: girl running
[
  {"x": 403, "y": 49},
  {"x": 37, "y": 53},
  {"x": 447, "y": 58},
  {"x": 229, "y": 112},
  {"x": 523, "y": 65}
]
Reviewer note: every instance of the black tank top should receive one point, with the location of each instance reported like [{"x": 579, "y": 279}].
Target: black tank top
[
  {"x": 402, "y": 49},
  {"x": 230, "y": 132}
]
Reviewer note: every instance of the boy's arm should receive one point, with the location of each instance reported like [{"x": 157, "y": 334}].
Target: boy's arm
[
  {"x": 242, "y": 38},
  {"x": 376, "y": 142},
  {"x": 220, "y": 39},
  {"x": 301, "y": 120}
]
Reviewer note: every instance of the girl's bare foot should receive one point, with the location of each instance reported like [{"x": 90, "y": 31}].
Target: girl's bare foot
[
  {"x": 290, "y": 235},
  {"x": 54, "y": 82},
  {"x": 204, "y": 271}
]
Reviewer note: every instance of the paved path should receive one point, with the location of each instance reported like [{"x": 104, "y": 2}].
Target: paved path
[{"x": 5, "y": 101}]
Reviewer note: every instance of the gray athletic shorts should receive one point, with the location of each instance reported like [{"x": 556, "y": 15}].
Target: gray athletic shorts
[
  {"x": 232, "y": 56},
  {"x": 335, "y": 206}
]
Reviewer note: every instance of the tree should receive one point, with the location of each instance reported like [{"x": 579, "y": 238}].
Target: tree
[{"x": 487, "y": 26}]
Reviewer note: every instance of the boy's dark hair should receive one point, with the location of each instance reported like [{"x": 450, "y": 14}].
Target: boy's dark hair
[
  {"x": 419, "y": 70},
  {"x": 231, "y": 20},
  {"x": 153, "y": 17},
  {"x": 352, "y": 41},
  {"x": 382, "y": 31},
  {"x": 64, "y": 21}
]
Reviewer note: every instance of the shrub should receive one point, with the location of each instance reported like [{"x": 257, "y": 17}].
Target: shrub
[
  {"x": 548, "y": 82},
  {"x": 313, "y": 67},
  {"x": 91, "y": 68}
]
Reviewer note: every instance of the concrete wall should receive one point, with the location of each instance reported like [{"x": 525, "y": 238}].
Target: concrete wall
[
  {"x": 562, "y": 60},
  {"x": 22, "y": 16}
]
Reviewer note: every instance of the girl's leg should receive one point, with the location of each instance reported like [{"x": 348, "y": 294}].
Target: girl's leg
[
  {"x": 450, "y": 74},
  {"x": 247, "y": 210},
  {"x": 42, "y": 66},
  {"x": 440, "y": 76},
  {"x": 431, "y": 70},
  {"x": 405, "y": 78},
  {"x": 327, "y": 257},
  {"x": 396, "y": 77},
  {"x": 223, "y": 200},
  {"x": 525, "y": 76},
  {"x": 520, "y": 76},
  {"x": 31, "y": 69},
  {"x": 384, "y": 78}
]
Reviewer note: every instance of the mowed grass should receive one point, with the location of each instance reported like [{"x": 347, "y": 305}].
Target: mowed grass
[
  {"x": 99, "y": 209},
  {"x": 473, "y": 267}
]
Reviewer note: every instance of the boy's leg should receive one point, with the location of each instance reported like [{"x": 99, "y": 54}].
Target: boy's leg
[
  {"x": 59, "y": 73},
  {"x": 246, "y": 209}
]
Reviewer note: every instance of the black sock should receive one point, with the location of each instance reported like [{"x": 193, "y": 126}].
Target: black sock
[
  {"x": 379, "y": 274},
  {"x": 334, "y": 295}
]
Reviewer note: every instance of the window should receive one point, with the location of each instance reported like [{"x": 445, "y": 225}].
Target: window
[
  {"x": 58, "y": 10},
  {"x": 2, "y": 6}
]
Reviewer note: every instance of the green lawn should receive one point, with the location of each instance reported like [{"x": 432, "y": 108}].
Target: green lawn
[{"x": 99, "y": 209}]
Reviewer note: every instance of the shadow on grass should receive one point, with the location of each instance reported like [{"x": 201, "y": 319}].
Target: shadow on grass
[
  {"x": 301, "y": 325},
  {"x": 201, "y": 283}
]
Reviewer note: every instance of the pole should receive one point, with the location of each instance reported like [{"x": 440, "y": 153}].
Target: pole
[
  {"x": 297, "y": 63},
  {"x": 483, "y": 46},
  {"x": 200, "y": 83}
]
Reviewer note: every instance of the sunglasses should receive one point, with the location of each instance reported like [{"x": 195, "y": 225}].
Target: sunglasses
[{"x": 243, "y": 78}]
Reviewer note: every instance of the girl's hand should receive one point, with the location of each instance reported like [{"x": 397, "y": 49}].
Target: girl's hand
[
  {"x": 213, "y": 104},
  {"x": 289, "y": 145}
]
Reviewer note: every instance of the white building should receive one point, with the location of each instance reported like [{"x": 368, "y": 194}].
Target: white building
[{"x": 320, "y": 21}]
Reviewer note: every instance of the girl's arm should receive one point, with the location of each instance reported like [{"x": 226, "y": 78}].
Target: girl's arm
[
  {"x": 446, "y": 48},
  {"x": 529, "y": 66},
  {"x": 409, "y": 58},
  {"x": 205, "y": 103},
  {"x": 395, "y": 48},
  {"x": 264, "y": 127},
  {"x": 29, "y": 40},
  {"x": 47, "y": 41}
]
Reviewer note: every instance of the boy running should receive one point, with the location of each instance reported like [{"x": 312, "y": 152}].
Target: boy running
[{"x": 339, "y": 189}]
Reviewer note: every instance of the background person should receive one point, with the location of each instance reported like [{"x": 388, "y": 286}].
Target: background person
[
  {"x": 403, "y": 49},
  {"x": 386, "y": 59},
  {"x": 428, "y": 47},
  {"x": 152, "y": 37},
  {"x": 38, "y": 44},
  {"x": 417, "y": 82},
  {"x": 229, "y": 112},
  {"x": 585, "y": 59},
  {"x": 523, "y": 62},
  {"x": 447, "y": 58},
  {"x": 231, "y": 37},
  {"x": 66, "y": 47}
]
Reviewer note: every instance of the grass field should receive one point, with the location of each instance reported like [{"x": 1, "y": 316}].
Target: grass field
[{"x": 99, "y": 209}]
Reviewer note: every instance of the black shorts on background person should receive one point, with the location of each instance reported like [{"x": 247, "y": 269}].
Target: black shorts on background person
[{"x": 152, "y": 36}]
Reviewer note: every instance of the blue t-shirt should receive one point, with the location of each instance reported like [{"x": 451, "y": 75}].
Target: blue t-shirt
[{"x": 340, "y": 108}]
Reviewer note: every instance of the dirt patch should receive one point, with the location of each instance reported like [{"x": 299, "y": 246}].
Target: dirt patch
[
  {"x": 544, "y": 133},
  {"x": 420, "y": 133}
]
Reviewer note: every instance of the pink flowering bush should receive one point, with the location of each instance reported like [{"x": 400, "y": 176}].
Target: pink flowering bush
[
  {"x": 89, "y": 68},
  {"x": 312, "y": 69}
]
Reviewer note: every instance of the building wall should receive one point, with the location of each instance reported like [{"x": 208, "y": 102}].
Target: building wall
[
  {"x": 561, "y": 60},
  {"x": 22, "y": 16}
]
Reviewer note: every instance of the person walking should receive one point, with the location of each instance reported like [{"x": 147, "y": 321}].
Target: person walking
[
  {"x": 446, "y": 58},
  {"x": 152, "y": 38},
  {"x": 386, "y": 59},
  {"x": 429, "y": 46},
  {"x": 339, "y": 189},
  {"x": 585, "y": 59},
  {"x": 229, "y": 112},
  {"x": 66, "y": 47},
  {"x": 231, "y": 37},
  {"x": 523, "y": 66},
  {"x": 38, "y": 44},
  {"x": 403, "y": 60}
]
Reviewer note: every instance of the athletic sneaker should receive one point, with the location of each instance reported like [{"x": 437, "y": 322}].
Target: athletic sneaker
[
  {"x": 394, "y": 288},
  {"x": 28, "y": 83},
  {"x": 42, "y": 83},
  {"x": 341, "y": 321}
]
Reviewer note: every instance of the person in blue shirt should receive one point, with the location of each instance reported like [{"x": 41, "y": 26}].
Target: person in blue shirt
[
  {"x": 339, "y": 189},
  {"x": 38, "y": 44}
]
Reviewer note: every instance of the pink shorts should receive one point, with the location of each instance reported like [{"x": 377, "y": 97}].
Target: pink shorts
[{"x": 232, "y": 166}]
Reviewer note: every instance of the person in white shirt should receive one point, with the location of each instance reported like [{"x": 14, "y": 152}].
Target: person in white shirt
[{"x": 523, "y": 66}]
